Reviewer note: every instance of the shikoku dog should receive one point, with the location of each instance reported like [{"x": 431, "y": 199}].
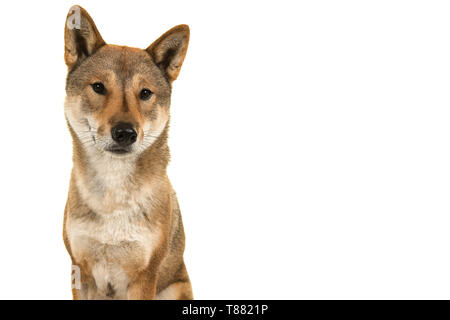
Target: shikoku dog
[{"x": 122, "y": 224}]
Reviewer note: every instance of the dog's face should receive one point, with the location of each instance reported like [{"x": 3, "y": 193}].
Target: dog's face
[{"x": 118, "y": 98}]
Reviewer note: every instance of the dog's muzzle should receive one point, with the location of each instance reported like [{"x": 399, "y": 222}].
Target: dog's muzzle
[{"x": 124, "y": 135}]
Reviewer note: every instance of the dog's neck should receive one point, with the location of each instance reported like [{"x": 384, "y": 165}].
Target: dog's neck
[{"x": 105, "y": 178}]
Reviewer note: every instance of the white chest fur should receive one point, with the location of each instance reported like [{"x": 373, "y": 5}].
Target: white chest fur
[
  {"x": 113, "y": 245},
  {"x": 118, "y": 238}
]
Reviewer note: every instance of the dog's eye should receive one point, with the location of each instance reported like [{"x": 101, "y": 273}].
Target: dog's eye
[
  {"x": 145, "y": 94},
  {"x": 99, "y": 88}
]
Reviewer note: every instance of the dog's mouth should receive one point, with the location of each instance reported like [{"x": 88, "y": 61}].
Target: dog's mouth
[{"x": 119, "y": 150}]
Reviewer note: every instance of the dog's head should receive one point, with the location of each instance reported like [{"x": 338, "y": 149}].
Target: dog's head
[{"x": 118, "y": 97}]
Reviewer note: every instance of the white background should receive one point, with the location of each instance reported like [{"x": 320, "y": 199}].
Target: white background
[{"x": 309, "y": 139}]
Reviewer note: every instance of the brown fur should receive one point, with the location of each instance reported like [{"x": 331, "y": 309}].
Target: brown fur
[{"x": 144, "y": 197}]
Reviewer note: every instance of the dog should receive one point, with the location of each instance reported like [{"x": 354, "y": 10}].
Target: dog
[{"x": 122, "y": 224}]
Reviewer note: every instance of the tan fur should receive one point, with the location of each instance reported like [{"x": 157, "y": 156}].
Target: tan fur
[{"x": 122, "y": 223}]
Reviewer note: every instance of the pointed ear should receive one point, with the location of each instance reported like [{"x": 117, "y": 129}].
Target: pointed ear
[
  {"x": 170, "y": 49},
  {"x": 81, "y": 37}
]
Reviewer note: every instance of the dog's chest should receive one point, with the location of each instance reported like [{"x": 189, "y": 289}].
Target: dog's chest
[
  {"x": 114, "y": 247},
  {"x": 117, "y": 240}
]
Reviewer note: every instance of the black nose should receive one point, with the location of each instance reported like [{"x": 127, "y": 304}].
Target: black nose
[{"x": 124, "y": 134}]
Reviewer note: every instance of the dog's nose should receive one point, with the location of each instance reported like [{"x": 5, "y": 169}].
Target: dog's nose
[{"x": 124, "y": 134}]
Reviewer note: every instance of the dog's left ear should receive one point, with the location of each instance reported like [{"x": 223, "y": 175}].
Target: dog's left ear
[
  {"x": 170, "y": 49},
  {"x": 81, "y": 37}
]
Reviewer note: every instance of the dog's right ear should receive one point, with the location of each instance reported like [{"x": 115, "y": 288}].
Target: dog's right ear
[{"x": 81, "y": 37}]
